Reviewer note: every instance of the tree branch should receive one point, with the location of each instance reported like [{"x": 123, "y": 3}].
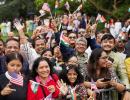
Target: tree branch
[
  {"x": 99, "y": 7},
  {"x": 114, "y": 5}
]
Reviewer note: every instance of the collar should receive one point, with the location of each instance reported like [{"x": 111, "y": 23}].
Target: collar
[
  {"x": 7, "y": 75},
  {"x": 40, "y": 81}
]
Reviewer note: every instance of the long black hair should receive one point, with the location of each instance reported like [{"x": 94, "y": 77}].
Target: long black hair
[
  {"x": 13, "y": 56},
  {"x": 64, "y": 77},
  {"x": 93, "y": 63},
  {"x": 36, "y": 64}
]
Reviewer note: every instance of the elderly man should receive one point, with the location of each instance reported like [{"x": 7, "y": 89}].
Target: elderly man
[{"x": 80, "y": 47}]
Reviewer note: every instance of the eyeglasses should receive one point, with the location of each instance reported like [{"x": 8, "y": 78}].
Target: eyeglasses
[
  {"x": 81, "y": 44},
  {"x": 105, "y": 57},
  {"x": 73, "y": 62}
]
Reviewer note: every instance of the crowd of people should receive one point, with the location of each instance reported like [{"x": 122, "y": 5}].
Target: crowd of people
[{"x": 66, "y": 58}]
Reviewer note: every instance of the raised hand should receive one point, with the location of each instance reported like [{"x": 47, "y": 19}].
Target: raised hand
[
  {"x": 18, "y": 26},
  {"x": 62, "y": 87}
]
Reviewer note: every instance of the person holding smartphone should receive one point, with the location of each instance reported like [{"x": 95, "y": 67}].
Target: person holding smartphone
[{"x": 100, "y": 74}]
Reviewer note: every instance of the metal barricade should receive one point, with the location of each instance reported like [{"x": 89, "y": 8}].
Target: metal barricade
[{"x": 107, "y": 94}]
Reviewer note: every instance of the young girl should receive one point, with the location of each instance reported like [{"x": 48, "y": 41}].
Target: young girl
[
  {"x": 13, "y": 85},
  {"x": 74, "y": 80}
]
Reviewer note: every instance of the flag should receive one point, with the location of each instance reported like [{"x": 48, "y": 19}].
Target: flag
[
  {"x": 67, "y": 6},
  {"x": 49, "y": 35},
  {"x": 34, "y": 86},
  {"x": 56, "y": 4},
  {"x": 64, "y": 40},
  {"x": 49, "y": 97},
  {"x": 122, "y": 36},
  {"x": 79, "y": 7},
  {"x": 42, "y": 12},
  {"x": 73, "y": 94},
  {"x": 46, "y": 7},
  {"x": 100, "y": 18},
  {"x": 16, "y": 79}
]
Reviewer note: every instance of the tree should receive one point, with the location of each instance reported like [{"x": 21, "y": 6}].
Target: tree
[
  {"x": 115, "y": 8},
  {"x": 16, "y": 8}
]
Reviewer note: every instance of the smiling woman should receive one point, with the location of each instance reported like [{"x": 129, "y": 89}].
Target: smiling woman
[
  {"x": 43, "y": 79},
  {"x": 101, "y": 75}
]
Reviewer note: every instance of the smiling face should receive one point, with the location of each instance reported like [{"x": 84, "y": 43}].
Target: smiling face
[
  {"x": 57, "y": 52},
  {"x": 39, "y": 45},
  {"x": 73, "y": 60},
  {"x": 14, "y": 66},
  {"x": 72, "y": 38},
  {"x": 80, "y": 47},
  {"x": 12, "y": 47},
  {"x": 102, "y": 62},
  {"x": 72, "y": 75},
  {"x": 108, "y": 45},
  {"x": 43, "y": 69}
]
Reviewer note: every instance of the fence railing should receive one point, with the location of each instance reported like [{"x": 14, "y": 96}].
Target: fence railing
[{"x": 107, "y": 94}]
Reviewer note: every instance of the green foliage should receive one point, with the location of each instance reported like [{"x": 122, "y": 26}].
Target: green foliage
[
  {"x": 38, "y": 3},
  {"x": 89, "y": 9},
  {"x": 15, "y": 8},
  {"x": 120, "y": 13}
]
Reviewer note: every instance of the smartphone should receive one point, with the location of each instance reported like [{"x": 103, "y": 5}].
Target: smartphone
[{"x": 106, "y": 79}]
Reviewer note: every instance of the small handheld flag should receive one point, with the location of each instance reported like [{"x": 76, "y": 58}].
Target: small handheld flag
[
  {"x": 67, "y": 6},
  {"x": 64, "y": 40},
  {"x": 16, "y": 79},
  {"x": 34, "y": 86},
  {"x": 49, "y": 97},
  {"x": 100, "y": 18},
  {"x": 78, "y": 9},
  {"x": 46, "y": 7},
  {"x": 42, "y": 12}
]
